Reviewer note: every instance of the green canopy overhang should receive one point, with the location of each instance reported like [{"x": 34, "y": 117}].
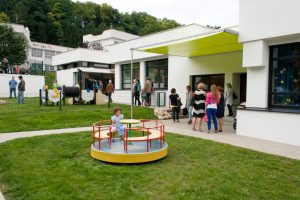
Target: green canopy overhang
[{"x": 206, "y": 44}]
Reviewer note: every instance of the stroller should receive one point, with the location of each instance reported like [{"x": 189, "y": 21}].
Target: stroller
[{"x": 234, "y": 110}]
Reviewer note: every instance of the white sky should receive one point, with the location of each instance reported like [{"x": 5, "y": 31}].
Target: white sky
[{"x": 213, "y": 12}]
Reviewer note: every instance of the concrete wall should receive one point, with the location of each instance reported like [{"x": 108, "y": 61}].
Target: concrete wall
[
  {"x": 279, "y": 127},
  {"x": 262, "y": 19},
  {"x": 264, "y": 23},
  {"x": 66, "y": 77},
  {"x": 32, "y": 84}
]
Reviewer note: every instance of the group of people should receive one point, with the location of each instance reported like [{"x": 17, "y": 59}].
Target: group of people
[
  {"x": 5, "y": 68},
  {"x": 144, "y": 93},
  {"x": 201, "y": 104},
  {"x": 105, "y": 88},
  {"x": 13, "y": 85}
]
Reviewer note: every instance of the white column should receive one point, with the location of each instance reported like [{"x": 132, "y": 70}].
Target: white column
[
  {"x": 142, "y": 73},
  {"x": 118, "y": 77},
  {"x": 255, "y": 59}
]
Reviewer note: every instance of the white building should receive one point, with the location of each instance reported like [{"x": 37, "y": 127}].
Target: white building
[
  {"x": 260, "y": 58},
  {"x": 39, "y": 55}
]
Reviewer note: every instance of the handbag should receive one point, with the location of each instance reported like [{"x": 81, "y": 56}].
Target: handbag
[
  {"x": 205, "y": 118},
  {"x": 185, "y": 111}
]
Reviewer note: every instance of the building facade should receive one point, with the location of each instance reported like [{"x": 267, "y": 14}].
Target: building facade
[
  {"x": 260, "y": 58},
  {"x": 39, "y": 55}
]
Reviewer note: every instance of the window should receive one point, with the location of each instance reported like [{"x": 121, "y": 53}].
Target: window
[
  {"x": 37, "y": 53},
  {"x": 49, "y": 54},
  {"x": 126, "y": 74},
  {"x": 284, "y": 81},
  {"x": 217, "y": 79},
  {"x": 157, "y": 71}
]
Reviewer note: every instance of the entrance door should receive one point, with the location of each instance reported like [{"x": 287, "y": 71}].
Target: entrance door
[{"x": 208, "y": 80}]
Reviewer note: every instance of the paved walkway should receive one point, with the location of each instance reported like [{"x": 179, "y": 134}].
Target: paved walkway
[{"x": 228, "y": 137}]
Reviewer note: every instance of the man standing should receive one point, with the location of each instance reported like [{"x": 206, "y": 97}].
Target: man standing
[
  {"x": 148, "y": 91},
  {"x": 21, "y": 89},
  {"x": 12, "y": 87},
  {"x": 109, "y": 90},
  {"x": 5, "y": 65}
]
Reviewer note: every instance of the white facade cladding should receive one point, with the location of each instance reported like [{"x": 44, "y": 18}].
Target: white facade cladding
[
  {"x": 109, "y": 37},
  {"x": 271, "y": 43},
  {"x": 32, "y": 84}
]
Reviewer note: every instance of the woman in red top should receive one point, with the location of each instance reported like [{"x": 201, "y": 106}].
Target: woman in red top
[{"x": 212, "y": 100}]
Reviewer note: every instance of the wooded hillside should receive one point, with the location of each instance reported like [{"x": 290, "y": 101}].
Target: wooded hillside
[{"x": 63, "y": 22}]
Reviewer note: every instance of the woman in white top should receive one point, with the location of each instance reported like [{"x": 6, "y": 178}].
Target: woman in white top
[{"x": 229, "y": 98}]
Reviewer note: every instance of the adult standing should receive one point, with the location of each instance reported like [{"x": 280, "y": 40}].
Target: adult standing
[
  {"x": 221, "y": 108},
  {"x": 174, "y": 103},
  {"x": 5, "y": 66},
  {"x": 148, "y": 90},
  {"x": 133, "y": 91},
  {"x": 189, "y": 104},
  {"x": 199, "y": 105},
  {"x": 109, "y": 90},
  {"x": 21, "y": 90},
  {"x": 137, "y": 93},
  {"x": 211, "y": 103},
  {"x": 100, "y": 86},
  {"x": 229, "y": 98},
  {"x": 12, "y": 87}
]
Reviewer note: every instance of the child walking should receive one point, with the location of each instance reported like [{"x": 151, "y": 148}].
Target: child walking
[{"x": 117, "y": 126}]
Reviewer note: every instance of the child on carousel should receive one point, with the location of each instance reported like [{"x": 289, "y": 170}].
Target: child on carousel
[{"x": 117, "y": 126}]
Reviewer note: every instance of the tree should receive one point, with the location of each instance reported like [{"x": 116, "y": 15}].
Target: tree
[
  {"x": 12, "y": 46},
  {"x": 3, "y": 18},
  {"x": 64, "y": 22}
]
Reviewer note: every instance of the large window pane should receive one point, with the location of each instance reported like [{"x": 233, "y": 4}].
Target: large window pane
[
  {"x": 157, "y": 71},
  {"x": 126, "y": 74},
  {"x": 285, "y": 75}
]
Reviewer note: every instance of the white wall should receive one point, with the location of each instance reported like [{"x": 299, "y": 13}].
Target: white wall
[
  {"x": 278, "y": 127},
  {"x": 260, "y": 19},
  {"x": 181, "y": 69},
  {"x": 32, "y": 84},
  {"x": 66, "y": 77}
]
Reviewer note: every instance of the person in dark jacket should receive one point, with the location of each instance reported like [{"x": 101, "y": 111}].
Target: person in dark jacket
[
  {"x": 221, "y": 108},
  {"x": 21, "y": 90}
]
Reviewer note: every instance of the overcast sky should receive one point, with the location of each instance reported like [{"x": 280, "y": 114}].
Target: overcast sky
[{"x": 212, "y": 12}]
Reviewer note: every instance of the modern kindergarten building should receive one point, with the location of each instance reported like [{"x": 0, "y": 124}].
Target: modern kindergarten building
[{"x": 260, "y": 57}]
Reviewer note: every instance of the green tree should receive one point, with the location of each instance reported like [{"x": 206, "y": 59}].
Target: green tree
[
  {"x": 3, "y": 18},
  {"x": 12, "y": 46}
]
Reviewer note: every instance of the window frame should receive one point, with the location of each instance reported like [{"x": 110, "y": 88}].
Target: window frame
[
  {"x": 134, "y": 69},
  {"x": 271, "y": 93},
  {"x": 158, "y": 67},
  {"x": 36, "y": 51}
]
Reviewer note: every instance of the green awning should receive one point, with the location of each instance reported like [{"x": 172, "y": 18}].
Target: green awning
[{"x": 208, "y": 44}]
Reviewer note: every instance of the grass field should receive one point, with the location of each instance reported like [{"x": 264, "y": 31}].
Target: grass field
[
  {"x": 59, "y": 167},
  {"x": 32, "y": 116}
]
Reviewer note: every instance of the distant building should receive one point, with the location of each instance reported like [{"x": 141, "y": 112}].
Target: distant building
[{"x": 39, "y": 55}]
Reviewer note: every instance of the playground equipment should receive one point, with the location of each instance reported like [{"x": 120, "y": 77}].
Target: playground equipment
[
  {"x": 77, "y": 96},
  {"x": 147, "y": 147}
]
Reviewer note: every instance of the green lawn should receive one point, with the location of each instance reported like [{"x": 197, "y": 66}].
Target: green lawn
[
  {"x": 32, "y": 116},
  {"x": 59, "y": 167}
]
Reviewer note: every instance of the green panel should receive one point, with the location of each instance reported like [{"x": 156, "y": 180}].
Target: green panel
[{"x": 214, "y": 44}]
